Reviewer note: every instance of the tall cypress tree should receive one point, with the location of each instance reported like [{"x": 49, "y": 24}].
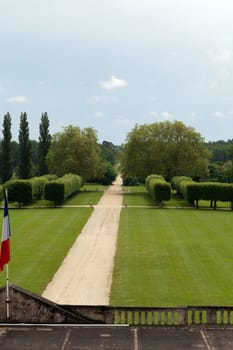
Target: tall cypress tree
[
  {"x": 6, "y": 172},
  {"x": 44, "y": 143},
  {"x": 24, "y": 169}
]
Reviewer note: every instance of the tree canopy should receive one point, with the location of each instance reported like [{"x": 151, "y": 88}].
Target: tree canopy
[
  {"x": 166, "y": 148},
  {"x": 75, "y": 151}
]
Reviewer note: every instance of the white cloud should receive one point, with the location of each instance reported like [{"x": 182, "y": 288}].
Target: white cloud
[
  {"x": 222, "y": 60},
  {"x": 43, "y": 82},
  {"x": 113, "y": 83},
  {"x": 95, "y": 99},
  {"x": 166, "y": 115},
  {"x": 217, "y": 114},
  {"x": 121, "y": 120},
  {"x": 220, "y": 56},
  {"x": 153, "y": 114},
  {"x": 17, "y": 99},
  {"x": 98, "y": 115}
]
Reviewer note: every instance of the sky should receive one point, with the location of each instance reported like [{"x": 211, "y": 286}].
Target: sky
[{"x": 113, "y": 64}]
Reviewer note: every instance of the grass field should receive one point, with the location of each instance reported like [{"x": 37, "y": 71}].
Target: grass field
[
  {"x": 89, "y": 194},
  {"x": 137, "y": 196},
  {"x": 165, "y": 257},
  {"x": 40, "y": 240},
  {"x": 170, "y": 257}
]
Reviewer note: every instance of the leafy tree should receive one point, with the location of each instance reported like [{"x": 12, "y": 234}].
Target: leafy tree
[
  {"x": 44, "y": 143},
  {"x": 216, "y": 172},
  {"x": 220, "y": 150},
  {"x": 228, "y": 171},
  {"x": 230, "y": 153},
  {"x": 24, "y": 167},
  {"x": 221, "y": 169},
  {"x": 109, "y": 152},
  {"x": 166, "y": 148},
  {"x": 6, "y": 168},
  {"x": 75, "y": 151}
]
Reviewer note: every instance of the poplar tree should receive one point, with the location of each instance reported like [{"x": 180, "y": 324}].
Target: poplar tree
[
  {"x": 24, "y": 168},
  {"x": 6, "y": 172},
  {"x": 44, "y": 143}
]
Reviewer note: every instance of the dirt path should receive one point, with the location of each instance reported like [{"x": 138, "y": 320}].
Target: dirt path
[{"x": 85, "y": 275}]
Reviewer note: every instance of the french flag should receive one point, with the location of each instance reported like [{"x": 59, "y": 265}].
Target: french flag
[{"x": 5, "y": 243}]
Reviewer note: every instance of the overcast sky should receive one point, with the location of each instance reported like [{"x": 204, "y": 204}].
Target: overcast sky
[{"x": 111, "y": 64}]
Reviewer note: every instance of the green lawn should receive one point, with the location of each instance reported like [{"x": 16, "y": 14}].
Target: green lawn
[
  {"x": 89, "y": 194},
  {"x": 171, "y": 257},
  {"x": 165, "y": 257},
  {"x": 137, "y": 196},
  {"x": 40, "y": 240}
]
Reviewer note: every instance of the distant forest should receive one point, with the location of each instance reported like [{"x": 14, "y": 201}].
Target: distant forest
[
  {"x": 221, "y": 160},
  {"x": 78, "y": 151}
]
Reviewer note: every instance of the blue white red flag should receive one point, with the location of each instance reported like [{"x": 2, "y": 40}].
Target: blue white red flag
[{"x": 5, "y": 243}]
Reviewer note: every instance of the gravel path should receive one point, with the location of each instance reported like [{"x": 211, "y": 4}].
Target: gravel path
[{"x": 85, "y": 275}]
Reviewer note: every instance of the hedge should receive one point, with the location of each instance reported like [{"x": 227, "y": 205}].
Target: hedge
[
  {"x": 38, "y": 184},
  {"x": 176, "y": 182},
  {"x": 59, "y": 190},
  {"x": 159, "y": 189},
  {"x": 213, "y": 191},
  {"x": 19, "y": 191},
  {"x": 152, "y": 177}
]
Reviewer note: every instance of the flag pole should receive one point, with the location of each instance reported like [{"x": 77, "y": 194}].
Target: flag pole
[
  {"x": 7, "y": 293},
  {"x": 7, "y": 269},
  {"x": 5, "y": 250}
]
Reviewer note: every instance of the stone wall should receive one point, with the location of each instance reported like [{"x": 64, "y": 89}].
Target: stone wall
[{"x": 26, "y": 307}]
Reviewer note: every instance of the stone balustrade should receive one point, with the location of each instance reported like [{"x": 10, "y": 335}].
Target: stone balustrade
[{"x": 26, "y": 307}]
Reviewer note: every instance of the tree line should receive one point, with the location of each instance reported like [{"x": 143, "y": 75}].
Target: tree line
[
  {"x": 20, "y": 159},
  {"x": 221, "y": 160},
  {"x": 166, "y": 148},
  {"x": 71, "y": 151}
]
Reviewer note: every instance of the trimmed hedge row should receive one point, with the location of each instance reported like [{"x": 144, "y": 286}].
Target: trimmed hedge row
[
  {"x": 152, "y": 177},
  {"x": 27, "y": 191},
  {"x": 177, "y": 180},
  {"x": 159, "y": 189},
  {"x": 38, "y": 184},
  {"x": 19, "y": 191},
  {"x": 212, "y": 191},
  {"x": 59, "y": 190}
]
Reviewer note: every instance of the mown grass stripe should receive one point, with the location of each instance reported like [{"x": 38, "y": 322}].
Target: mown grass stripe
[
  {"x": 40, "y": 240},
  {"x": 173, "y": 257}
]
